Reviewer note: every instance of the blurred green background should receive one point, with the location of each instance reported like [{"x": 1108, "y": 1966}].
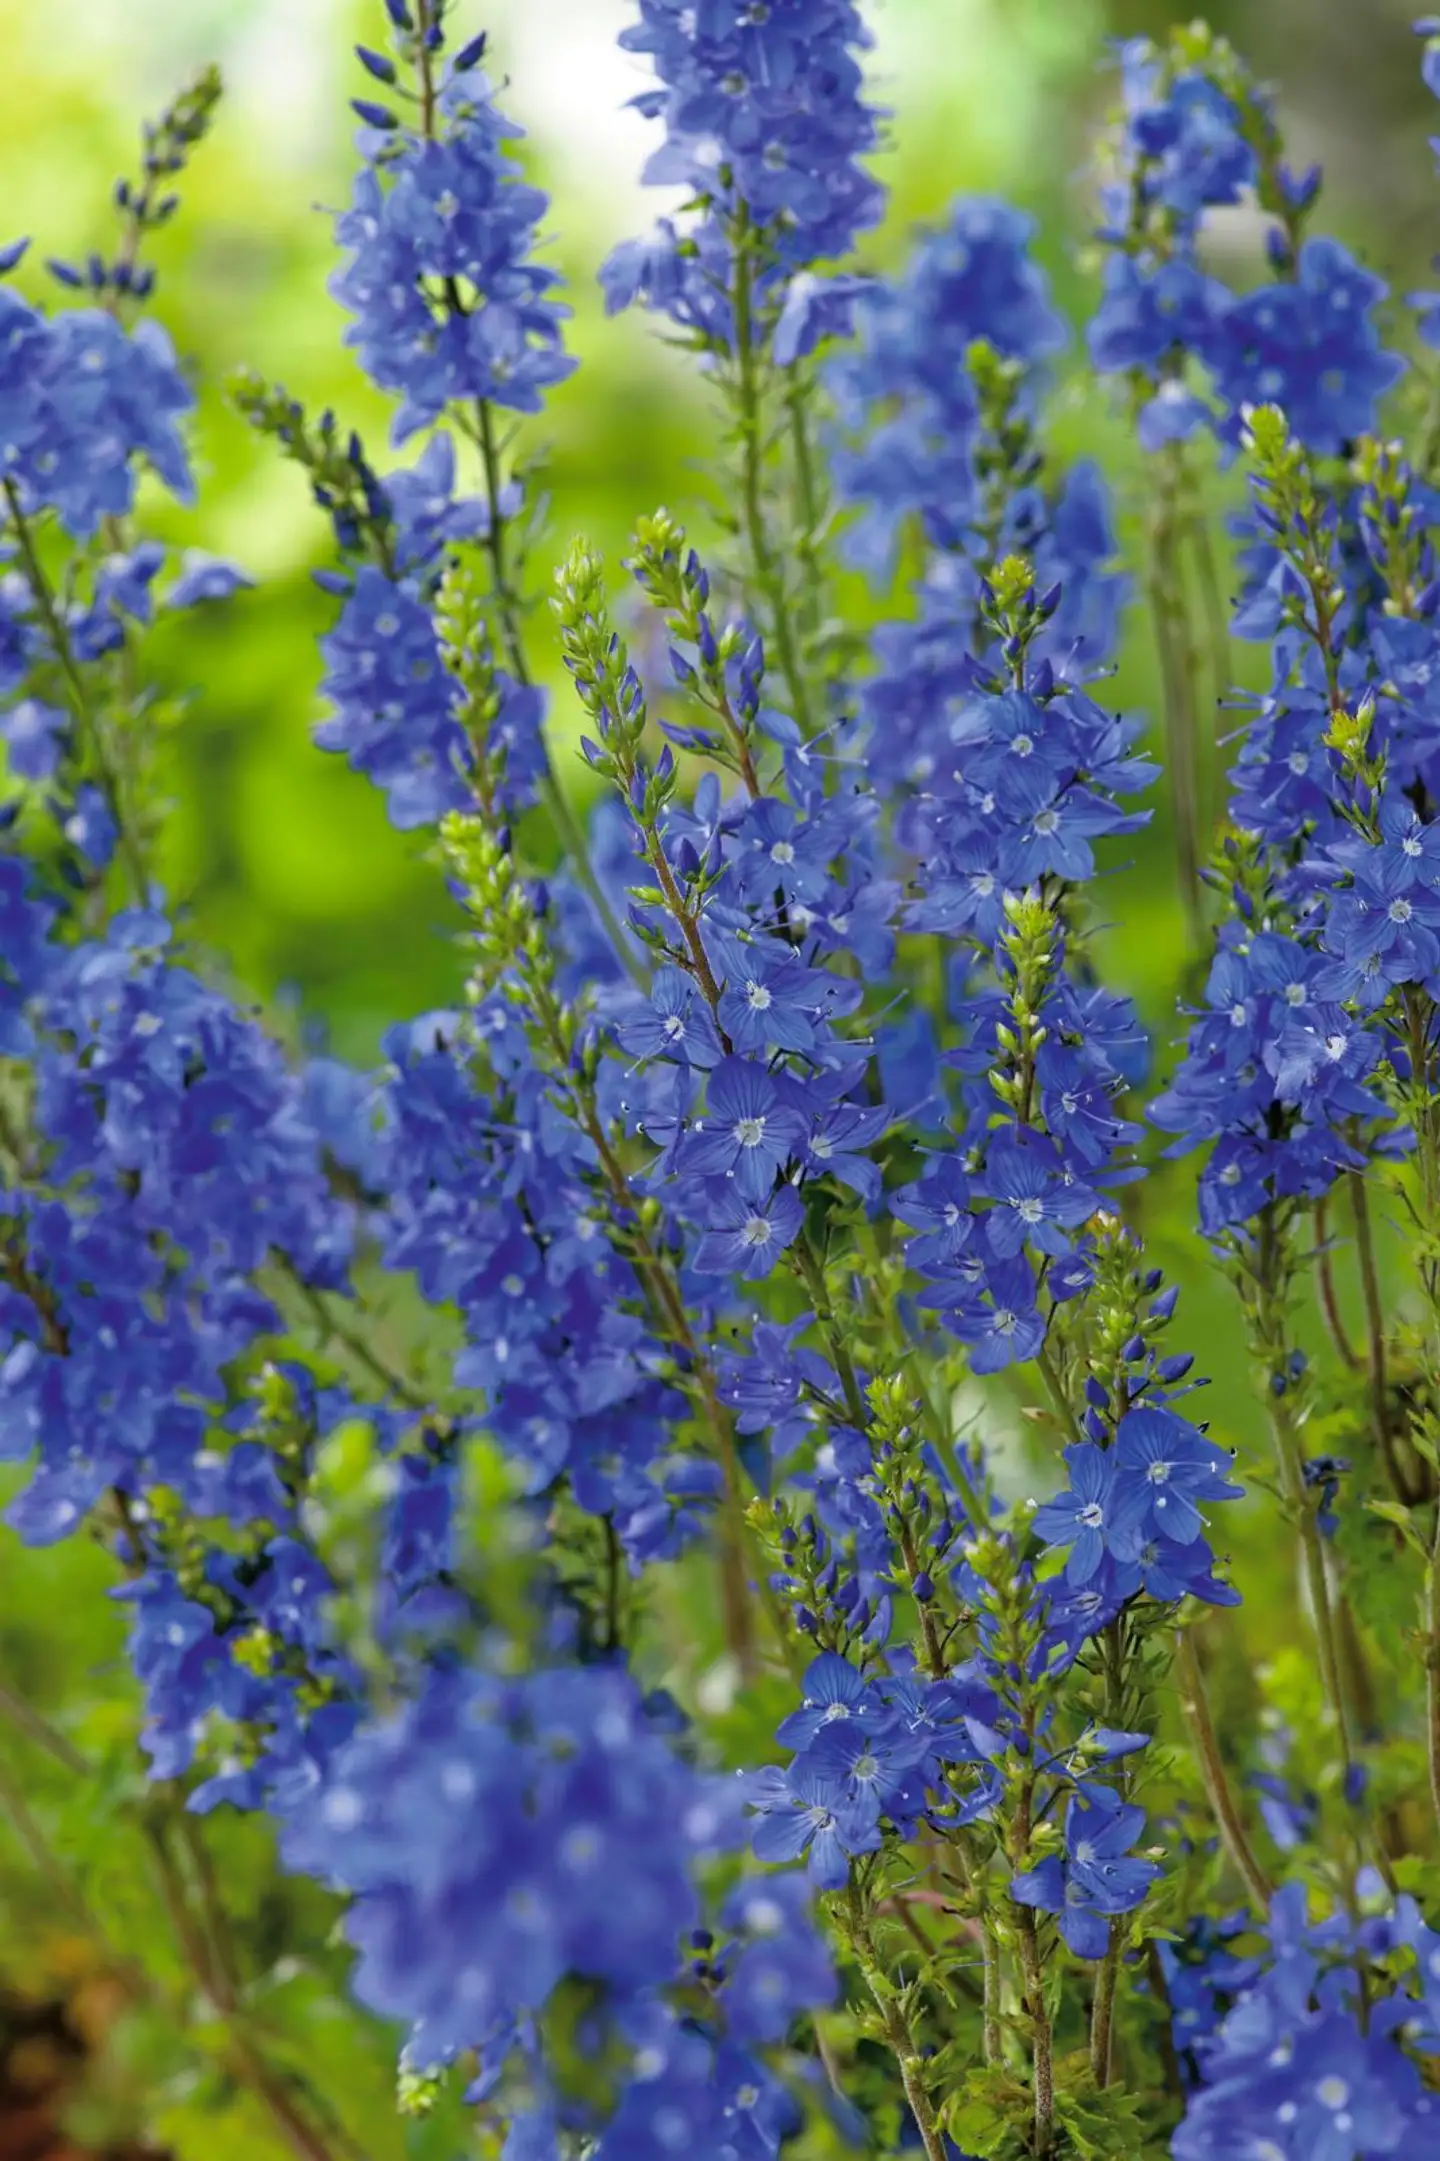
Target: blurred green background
[{"x": 282, "y": 859}]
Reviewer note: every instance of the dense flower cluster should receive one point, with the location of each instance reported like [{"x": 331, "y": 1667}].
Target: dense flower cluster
[
  {"x": 85, "y": 402},
  {"x": 1294, "y": 2069},
  {"x": 943, "y": 379},
  {"x": 447, "y": 304},
  {"x": 765, "y": 126},
  {"x": 1197, "y": 134},
  {"x": 396, "y": 712}
]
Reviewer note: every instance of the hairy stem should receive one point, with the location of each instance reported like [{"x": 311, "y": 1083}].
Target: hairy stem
[
  {"x": 750, "y": 416},
  {"x": 1329, "y": 1298},
  {"x": 244, "y": 2058},
  {"x": 1175, "y": 649},
  {"x": 1102, "y": 2012},
  {"x": 1432, "y": 1666},
  {"x": 899, "y": 2033},
  {"x": 87, "y": 719},
  {"x": 1274, "y": 1346},
  {"x": 1228, "y": 1820},
  {"x": 1041, "y": 2039},
  {"x": 1375, "y": 1338}
]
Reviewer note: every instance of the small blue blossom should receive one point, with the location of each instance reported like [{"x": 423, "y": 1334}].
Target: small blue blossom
[{"x": 1097, "y": 1878}]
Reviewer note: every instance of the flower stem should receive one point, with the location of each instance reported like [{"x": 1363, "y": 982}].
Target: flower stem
[
  {"x": 1114, "y": 1644},
  {"x": 798, "y": 392},
  {"x": 88, "y": 720},
  {"x": 1041, "y": 2038},
  {"x": 1432, "y": 1666},
  {"x": 1375, "y": 1337},
  {"x": 1175, "y": 649},
  {"x": 1274, "y": 1347},
  {"x": 899, "y": 2033},
  {"x": 1329, "y": 1298},
  {"x": 1228, "y": 1820},
  {"x": 750, "y": 415},
  {"x": 205, "y": 1962}
]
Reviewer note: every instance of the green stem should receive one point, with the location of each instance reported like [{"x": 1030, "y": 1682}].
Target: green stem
[
  {"x": 1312, "y": 1552},
  {"x": 1102, "y": 2015},
  {"x": 206, "y": 1965},
  {"x": 899, "y": 2033},
  {"x": 798, "y": 392},
  {"x": 1375, "y": 1337},
  {"x": 1216, "y": 621},
  {"x": 1290, "y": 1455},
  {"x": 990, "y": 1977},
  {"x": 1329, "y": 1297},
  {"x": 1057, "y": 1395},
  {"x": 1213, "y": 1777},
  {"x": 812, "y": 1271},
  {"x": 86, "y": 717},
  {"x": 1042, "y": 2042},
  {"x": 1432, "y": 1667},
  {"x": 1165, "y": 586},
  {"x": 37, "y": 1728},
  {"x": 1102, "y": 2010},
  {"x": 567, "y": 824},
  {"x": 333, "y": 1330},
  {"x": 240, "y": 2055},
  {"x": 751, "y": 416}
]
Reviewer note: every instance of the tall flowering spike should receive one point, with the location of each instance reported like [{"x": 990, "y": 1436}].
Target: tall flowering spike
[
  {"x": 1198, "y": 133},
  {"x": 87, "y": 404},
  {"x": 483, "y": 1833},
  {"x": 940, "y": 397},
  {"x": 765, "y": 125},
  {"x": 908, "y": 378},
  {"x": 448, "y": 305}
]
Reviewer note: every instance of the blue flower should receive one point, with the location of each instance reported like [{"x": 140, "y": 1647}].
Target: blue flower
[
  {"x": 803, "y": 1812},
  {"x": 765, "y": 125},
  {"x": 834, "y": 1692},
  {"x": 1035, "y": 1202},
  {"x": 481, "y": 1833},
  {"x": 1097, "y": 1878},
  {"x": 677, "y": 1025},
  {"x": 780, "y": 1965},
  {"x": 1309, "y": 345},
  {"x": 1163, "y": 1467},
  {"x": 1099, "y": 1514},
  {"x": 447, "y": 304},
  {"x": 745, "y": 1237},
  {"x": 749, "y": 1130}
]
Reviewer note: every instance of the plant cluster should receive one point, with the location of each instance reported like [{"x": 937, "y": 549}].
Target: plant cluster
[{"x": 567, "y": 1482}]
